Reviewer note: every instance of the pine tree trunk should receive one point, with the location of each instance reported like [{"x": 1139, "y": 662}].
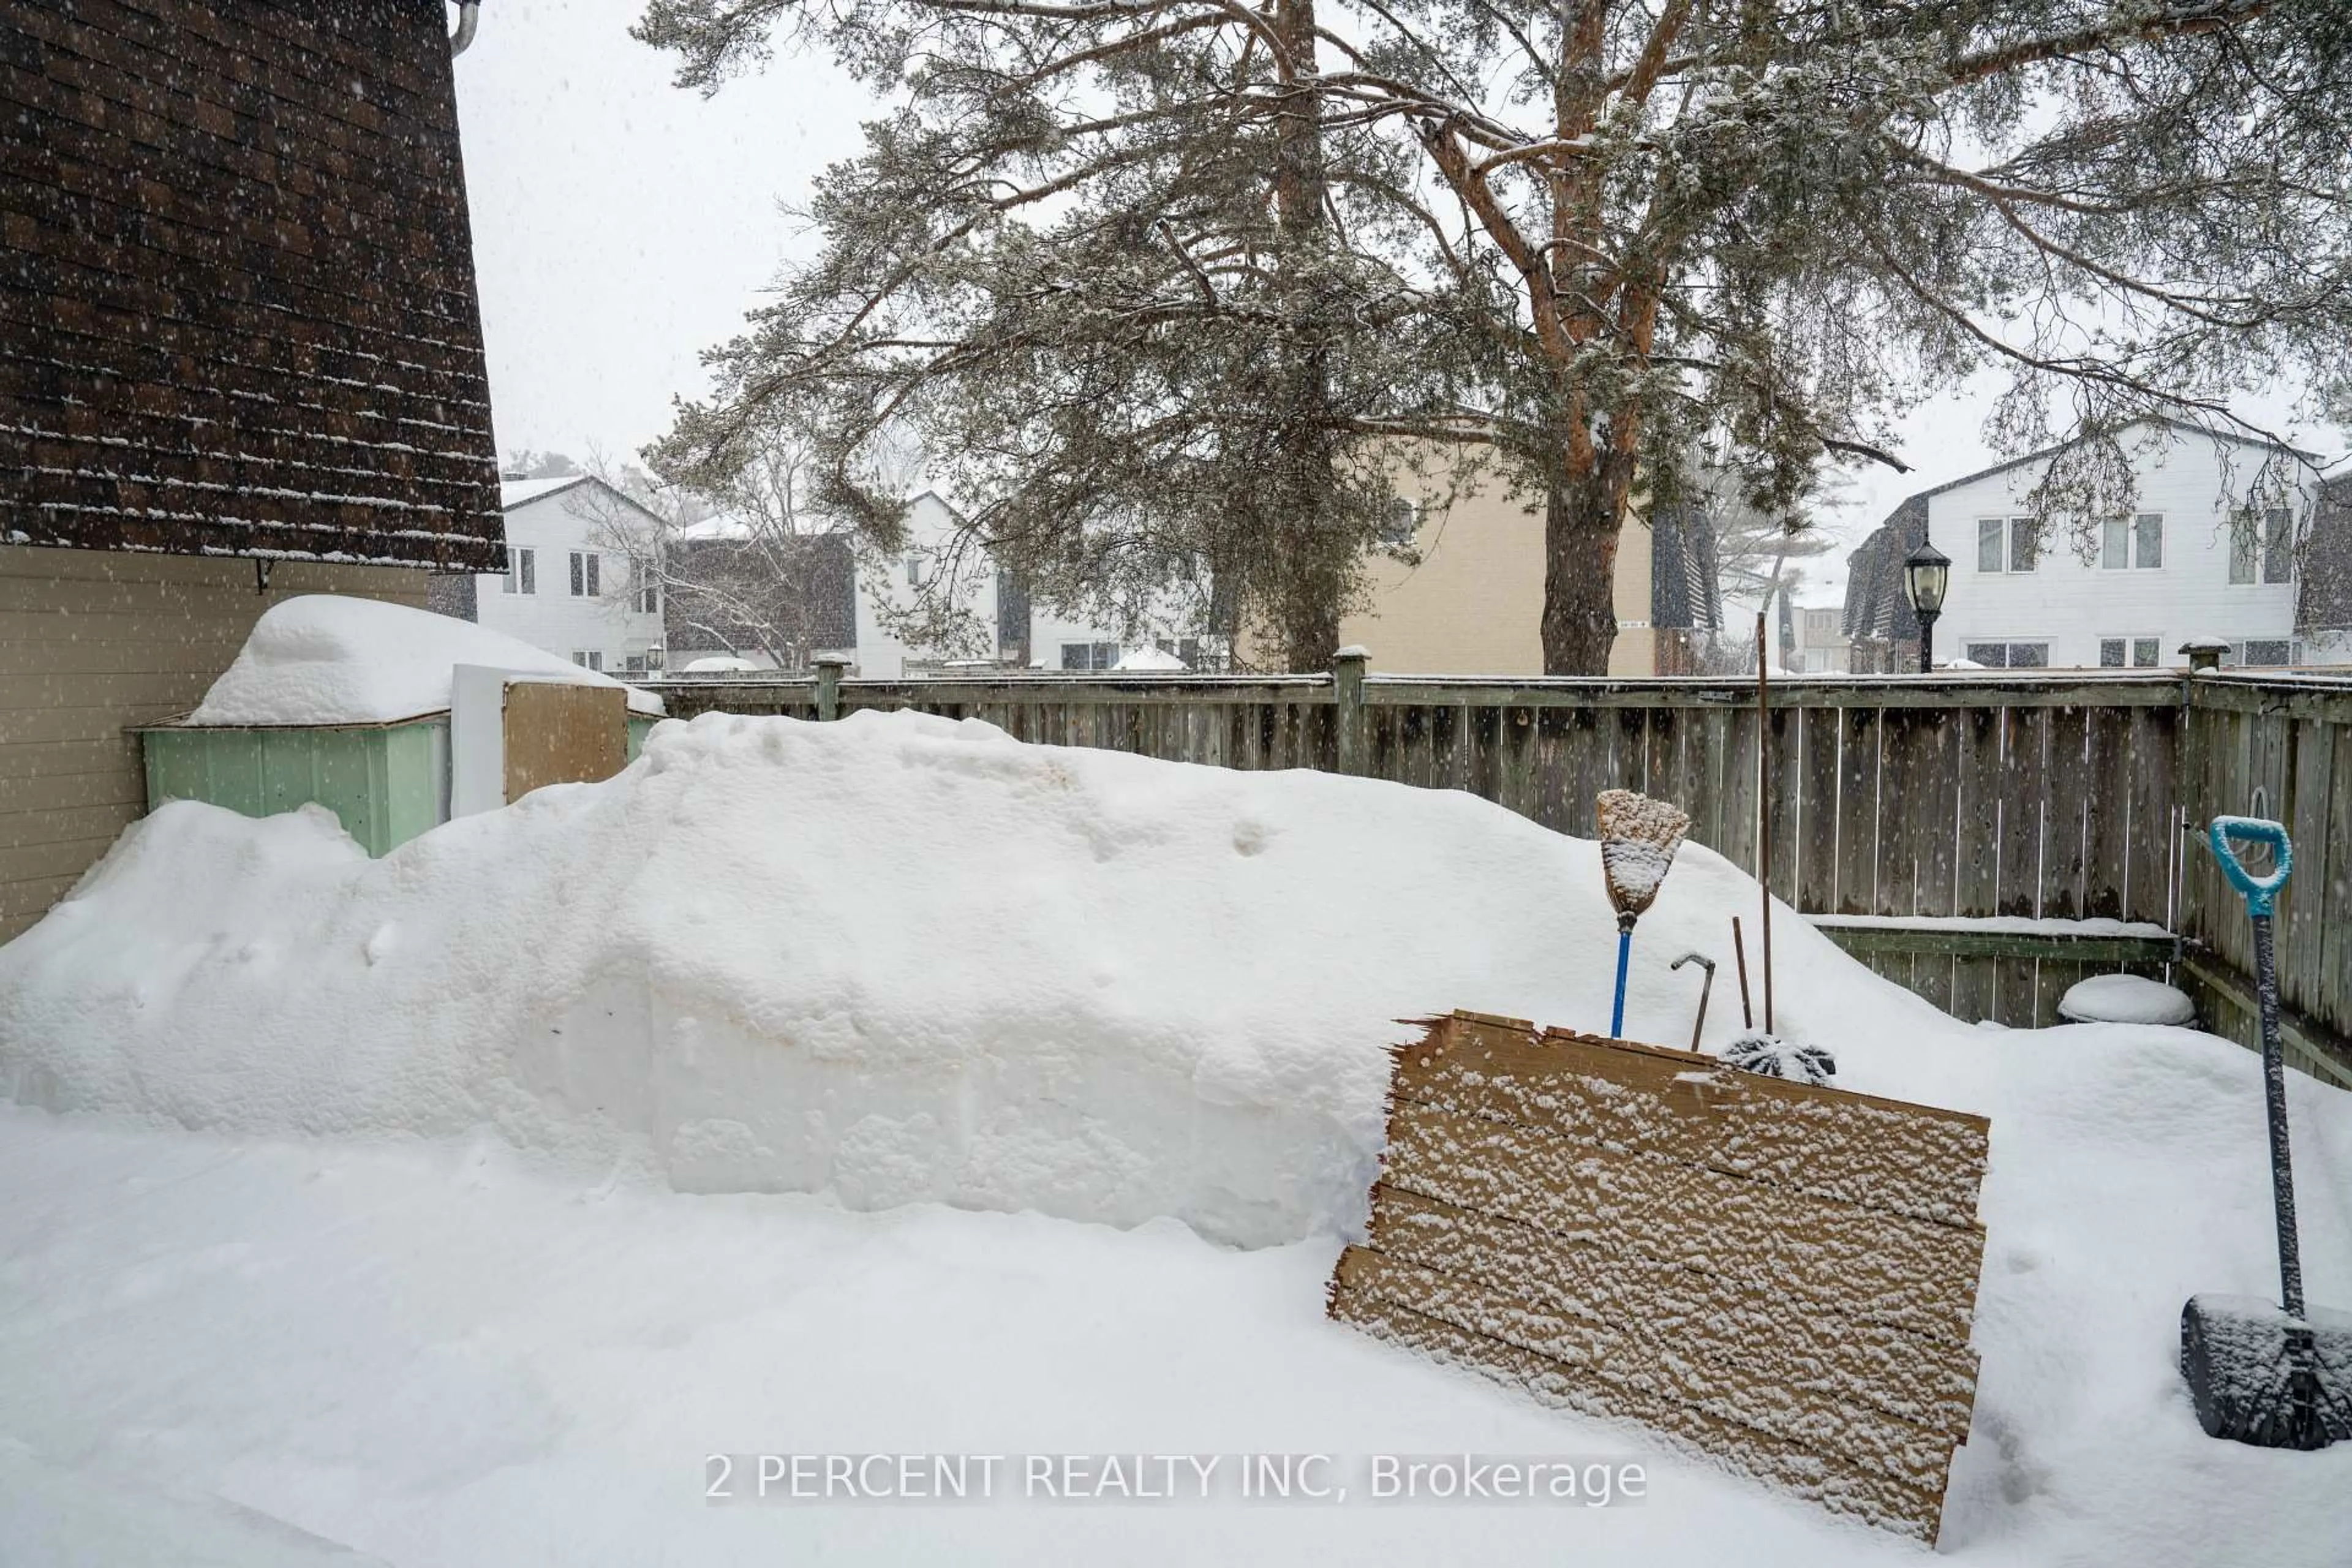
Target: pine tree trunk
[
  {"x": 1583, "y": 516},
  {"x": 1318, "y": 554}
]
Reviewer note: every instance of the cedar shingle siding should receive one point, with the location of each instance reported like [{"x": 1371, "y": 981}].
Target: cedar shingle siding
[{"x": 236, "y": 304}]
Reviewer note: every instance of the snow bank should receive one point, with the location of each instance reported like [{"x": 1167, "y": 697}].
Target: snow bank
[
  {"x": 321, "y": 658},
  {"x": 894, "y": 958}
]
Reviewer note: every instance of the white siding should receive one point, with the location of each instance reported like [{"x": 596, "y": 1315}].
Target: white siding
[
  {"x": 882, "y": 656},
  {"x": 2072, "y": 606},
  {"x": 553, "y": 527}
]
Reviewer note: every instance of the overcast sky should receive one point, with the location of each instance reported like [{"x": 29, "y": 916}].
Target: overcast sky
[{"x": 621, "y": 225}]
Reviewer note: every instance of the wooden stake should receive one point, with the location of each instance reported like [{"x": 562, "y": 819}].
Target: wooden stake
[
  {"x": 1763, "y": 806},
  {"x": 1739, "y": 951}
]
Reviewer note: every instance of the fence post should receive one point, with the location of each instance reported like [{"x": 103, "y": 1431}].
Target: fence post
[
  {"x": 828, "y": 684},
  {"x": 1347, "y": 691}
]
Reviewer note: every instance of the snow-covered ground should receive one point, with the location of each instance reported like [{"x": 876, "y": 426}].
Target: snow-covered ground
[{"x": 364, "y": 1235}]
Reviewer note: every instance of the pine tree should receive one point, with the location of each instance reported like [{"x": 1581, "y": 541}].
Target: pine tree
[{"x": 1576, "y": 234}]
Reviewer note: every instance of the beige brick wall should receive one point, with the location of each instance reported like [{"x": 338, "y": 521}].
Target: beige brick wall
[{"x": 92, "y": 642}]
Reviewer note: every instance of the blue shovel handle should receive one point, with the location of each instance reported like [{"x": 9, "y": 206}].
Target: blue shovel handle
[{"x": 2260, "y": 892}]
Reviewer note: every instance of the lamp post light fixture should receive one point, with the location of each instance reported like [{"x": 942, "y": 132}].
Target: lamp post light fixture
[{"x": 1926, "y": 572}]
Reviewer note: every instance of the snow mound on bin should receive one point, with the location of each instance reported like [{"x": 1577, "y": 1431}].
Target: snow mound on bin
[
  {"x": 894, "y": 958},
  {"x": 321, "y": 658}
]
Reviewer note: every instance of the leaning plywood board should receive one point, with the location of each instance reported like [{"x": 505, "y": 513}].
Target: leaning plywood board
[
  {"x": 1779, "y": 1275},
  {"x": 557, "y": 732}
]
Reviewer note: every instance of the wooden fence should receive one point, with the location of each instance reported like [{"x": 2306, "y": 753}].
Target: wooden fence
[{"x": 1893, "y": 803}]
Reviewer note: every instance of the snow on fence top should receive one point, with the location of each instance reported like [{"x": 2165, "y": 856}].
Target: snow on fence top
[
  {"x": 1781, "y": 1276},
  {"x": 321, "y": 658}
]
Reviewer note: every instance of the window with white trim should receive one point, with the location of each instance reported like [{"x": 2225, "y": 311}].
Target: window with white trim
[
  {"x": 588, "y": 659},
  {"x": 2135, "y": 544},
  {"x": 2011, "y": 655},
  {"x": 2278, "y": 546},
  {"x": 1089, "y": 656},
  {"x": 585, "y": 564},
  {"x": 2269, "y": 651},
  {"x": 2244, "y": 541},
  {"x": 2009, "y": 544},
  {"x": 2134, "y": 653},
  {"x": 522, "y": 570}
]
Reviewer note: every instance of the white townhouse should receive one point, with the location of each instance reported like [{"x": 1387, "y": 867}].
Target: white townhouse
[
  {"x": 569, "y": 587},
  {"x": 1008, "y": 630},
  {"x": 2193, "y": 560}
]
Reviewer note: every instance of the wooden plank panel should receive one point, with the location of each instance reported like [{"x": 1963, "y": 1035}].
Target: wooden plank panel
[
  {"x": 1933, "y": 803},
  {"x": 1857, "y": 873},
  {"x": 2311, "y": 754},
  {"x": 1974, "y": 981},
  {"x": 1898, "y": 845},
  {"x": 2156, "y": 738},
  {"x": 1554, "y": 809},
  {"x": 560, "y": 733},
  {"x": 2025, "y": 735},
  {"x": 1706, "y": 740},
  {"x": 2336, "y": 952},
  {"x": 1585, "y": 770},
  {"x": 1736, "y": 789},
  {"x": 1629, "y": 758},
  {"x": 1817, "y": 833},
  {"x": 2062, "y": 814},
  {"x": 1783, "y": 729},
  {"x": 1516, "y": 783},
  {"x": 1978, "y": 875},
  {"x": 2106, "y": 816}
]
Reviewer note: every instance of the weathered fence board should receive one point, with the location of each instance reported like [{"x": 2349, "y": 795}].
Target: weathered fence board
[{"x": 2056, "y": 795}]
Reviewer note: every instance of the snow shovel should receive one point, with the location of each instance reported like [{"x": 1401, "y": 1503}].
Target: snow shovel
[
  {"x": 1638, "y": 840},
  {"x": 2271, "y": 1376}
]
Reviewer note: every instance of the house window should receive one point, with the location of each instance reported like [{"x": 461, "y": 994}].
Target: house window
[
  {"x": 2008, "y": 544},
  {"x": 1990, "y": 530},
  {"x": 914, "y": 570},
  {"x": 2269, "y": 650},
  {"x": 1088, "y": 656},
  {"x": 522, "y": 572},
  {"x": 2243, "y": 540},
  {"x": 2024, "y": 543},
  {"x": 587, "y": 658},
  {"x": 584, "y": 569},
  {"x": 1399, "y": 523},
  {"x": 2278, "y": 548},
  {"x": 2136, "y": 544},
  {"x": 2011, "y": 655},
  {"x": 648, "y": 599},
  {"x": 2138, "y": 653}
]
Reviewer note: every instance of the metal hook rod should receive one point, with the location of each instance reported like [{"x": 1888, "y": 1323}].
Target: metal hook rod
[{"x": 1706, "y": 988}]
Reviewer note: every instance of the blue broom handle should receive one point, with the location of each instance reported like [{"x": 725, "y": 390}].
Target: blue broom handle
[{"x": 1624, "y": 958}]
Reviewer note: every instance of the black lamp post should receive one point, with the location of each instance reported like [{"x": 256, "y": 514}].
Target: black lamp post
[{"x": 1926, "y": 572}]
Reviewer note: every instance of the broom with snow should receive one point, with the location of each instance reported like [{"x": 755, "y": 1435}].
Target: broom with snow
[{"x": 1638, "y": 840}]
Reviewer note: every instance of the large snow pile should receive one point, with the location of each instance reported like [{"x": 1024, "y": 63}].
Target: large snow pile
[
  {"x": 320, "y": 658},
  {"x": 895, "y": 959}
]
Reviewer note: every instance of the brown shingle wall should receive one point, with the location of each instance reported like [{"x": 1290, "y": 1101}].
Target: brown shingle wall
[
  {"x": 92, "y": 643},
  {"x": 237, "y": 292}
]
